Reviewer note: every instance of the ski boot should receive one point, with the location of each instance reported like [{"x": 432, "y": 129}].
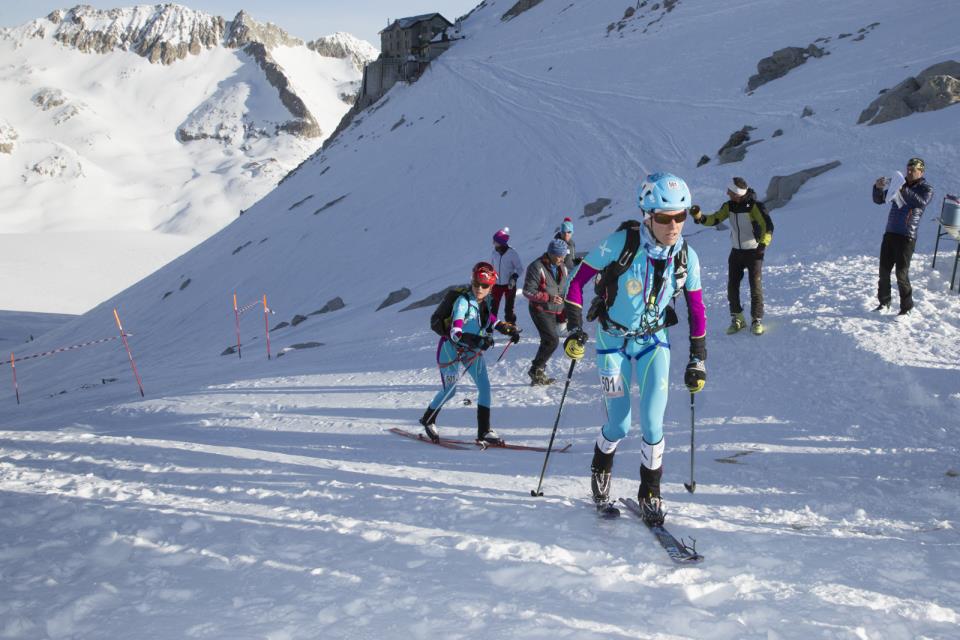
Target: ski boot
[
  {"x": 883, "y": 307},
  {"x": 756, "y": 327},
  {"x": 652, "y": 509},
  {"x": 600, "y": 480},
  {"x": 538, "y": 377},
  {"x": 736, "y": 323},
  {"x": 651, "y": 506},
  {"x": 486, "y": 437},
  {"x": 427, "y": 422}
]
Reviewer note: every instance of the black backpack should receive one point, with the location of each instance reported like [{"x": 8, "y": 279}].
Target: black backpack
[
  {"x": 607, "y": 281},
  {"x": 440, "y": 319}
]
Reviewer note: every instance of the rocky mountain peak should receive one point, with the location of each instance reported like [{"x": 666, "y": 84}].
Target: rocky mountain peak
[
  {"x": 244, "y": 30},
  {"x": 343, "y": 45}
]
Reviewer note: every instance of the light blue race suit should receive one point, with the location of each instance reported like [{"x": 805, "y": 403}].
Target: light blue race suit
[
  {"x": 623, "y": 351},
  {"x": 452, "y": 353}
]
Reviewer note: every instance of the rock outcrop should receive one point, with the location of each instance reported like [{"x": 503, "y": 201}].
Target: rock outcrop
[
  {"x": 395, "y": 296},
  {"x": 345, "y": 46},
  {"x": 782, "y": 188},
  {"x": 161, "y": 33},
  {"x": 7, "y": 137},
  {"x": 244, "y": 30},
  {"x": 735, "y": 148},
  {"x": 518, "y": 8},
  {"x": 303, "y": 123},
  {"x": 934, "y": 88},
  {"x": 781, "y": 62},
  {"x": 48, "y": 98}
]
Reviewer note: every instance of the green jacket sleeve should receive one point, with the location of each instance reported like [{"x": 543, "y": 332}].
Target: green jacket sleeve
[
  {"x": 762, "y": 224},
  {"x": 716, "y": 217}
]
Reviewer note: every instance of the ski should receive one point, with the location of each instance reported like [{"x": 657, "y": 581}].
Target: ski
[
  {"x": 607, "y": 511},
  {"x": 422, "y": 438},
  {"x": 678, "y": 550},
  {"x": 515, "y": 447},
  {"x": 454, "y": 443}
]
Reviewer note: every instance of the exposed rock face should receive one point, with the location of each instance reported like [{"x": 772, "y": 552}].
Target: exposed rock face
[
  {"x": 244, "y": 30},
  {"x": 735, "y": 148},
  {"x": 48, "y": 98},
  {"x": 395, "y": 296},
  {"x": 782, "y": 188},
  {"x": 332, "y": 305},
  {"x": 433, "y": 299},
  {"x": 519, "y": 7},
  {"x": 935, "y": 88},
  {"x": 162, "y": 33},
  {"x": 780, "y": 63},
  {"x": 596, "y": 207},
  {"x": 345, "y": 46},
  {"x": 7, "y": 136},
  {"x": 304, "y": 123}
]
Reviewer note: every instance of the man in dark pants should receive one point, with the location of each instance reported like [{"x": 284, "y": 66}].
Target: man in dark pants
[
  {"x": 896, "y": 250},
  {"x": 543, "y": 286},
  {"x": 751, "y": 231}
]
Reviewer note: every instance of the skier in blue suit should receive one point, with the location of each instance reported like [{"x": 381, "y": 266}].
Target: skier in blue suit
[
  {"x": 471, "y": 325},
  {"x": 633, "y": 312}
]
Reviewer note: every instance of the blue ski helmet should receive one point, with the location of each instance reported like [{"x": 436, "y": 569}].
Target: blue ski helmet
[{"x": 663, "y": 192}]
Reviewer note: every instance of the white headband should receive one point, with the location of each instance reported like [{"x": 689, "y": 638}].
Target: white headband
[{"x": 735, "y": 190}]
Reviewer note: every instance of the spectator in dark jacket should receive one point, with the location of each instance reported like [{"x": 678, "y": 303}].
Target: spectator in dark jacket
[
  {"x": 896, "y": 250},
  {"x": 543, "y": 286}
]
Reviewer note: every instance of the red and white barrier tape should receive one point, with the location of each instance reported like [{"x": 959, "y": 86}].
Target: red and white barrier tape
[{"x": 70, "y": 348}]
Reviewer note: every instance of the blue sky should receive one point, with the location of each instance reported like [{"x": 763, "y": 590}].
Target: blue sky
[{"x": 304, "y": 19}]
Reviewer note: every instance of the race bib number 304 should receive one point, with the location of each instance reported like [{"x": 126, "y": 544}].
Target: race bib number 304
[{"x": 612, "y": 384}]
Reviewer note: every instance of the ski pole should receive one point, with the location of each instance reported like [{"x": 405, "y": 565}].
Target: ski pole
[
  {"x": 446, "y": 396},
  {"x": 538, "y": 493},
  {"x": 693, "y": 483},
  {"x": 502, "y": 353}
]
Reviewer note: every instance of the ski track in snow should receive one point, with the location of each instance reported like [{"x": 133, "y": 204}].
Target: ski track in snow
[{"x": 284, "y": 502}]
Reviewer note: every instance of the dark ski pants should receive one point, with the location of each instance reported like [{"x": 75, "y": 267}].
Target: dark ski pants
[
  {"x": 896, "y": 251},
  {"x": 547, "y": 325},
  {"x": 510, "y": 293},
  {"x": 752, "y": 261}
]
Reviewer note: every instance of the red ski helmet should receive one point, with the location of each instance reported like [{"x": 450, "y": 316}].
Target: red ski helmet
[{"x": 484, "y": 273}]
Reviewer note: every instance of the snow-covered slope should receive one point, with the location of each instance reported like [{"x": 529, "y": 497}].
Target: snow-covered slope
[
  {"x": 151, "y": 119},
  {"x": 247, "y": 497}
]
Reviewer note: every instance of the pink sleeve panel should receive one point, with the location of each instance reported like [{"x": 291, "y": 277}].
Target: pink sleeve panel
[
  {"x": 697, "y": 313},
  {"x": 575, "y": 291}
]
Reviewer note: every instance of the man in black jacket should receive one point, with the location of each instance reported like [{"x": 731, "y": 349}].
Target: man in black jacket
[{"x": 896, "y": 250}]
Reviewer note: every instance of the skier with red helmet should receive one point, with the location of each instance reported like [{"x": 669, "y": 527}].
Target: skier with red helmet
[{"x": 470, "y": 326}]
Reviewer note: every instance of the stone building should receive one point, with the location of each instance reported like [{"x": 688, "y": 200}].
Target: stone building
[
  {"x": 407, "y": 46},
  {"x": 406, "y": 36}
]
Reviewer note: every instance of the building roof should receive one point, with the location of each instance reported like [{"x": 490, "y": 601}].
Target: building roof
[{"x": 406, "y": 23}]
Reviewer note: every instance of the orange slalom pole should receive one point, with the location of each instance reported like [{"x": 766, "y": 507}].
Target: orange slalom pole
[
  {"x": 13, "y": 367},
  {"x": 266, "y": 323},
  {"x": 133, "y": 365},
  {"x": 236, "y": 314}
]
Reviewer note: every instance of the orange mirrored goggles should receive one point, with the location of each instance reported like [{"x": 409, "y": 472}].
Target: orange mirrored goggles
[{"x": 667, "y": 218}]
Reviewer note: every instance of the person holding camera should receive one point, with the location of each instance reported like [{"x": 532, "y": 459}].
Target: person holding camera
[{"x": 896, "y": 250}]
